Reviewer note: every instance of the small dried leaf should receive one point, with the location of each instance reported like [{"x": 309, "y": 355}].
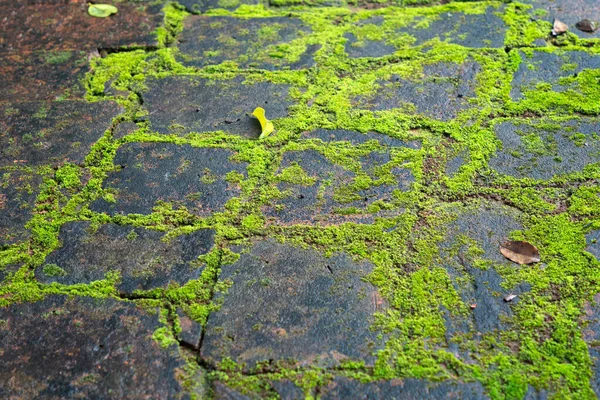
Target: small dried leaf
[
  {"x": 102, "y": 10},
  {"x": 585, "y": 25},
  {"x": 559, "y": 27},
  {"x": 510, "y": 297},
  {"x": 473, "y": 306},
  {"x": 520, "y": 252},
  {"x": 266, "y": 125}
]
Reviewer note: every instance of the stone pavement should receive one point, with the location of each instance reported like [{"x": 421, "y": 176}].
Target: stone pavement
[{"x": 152, "y": 247}]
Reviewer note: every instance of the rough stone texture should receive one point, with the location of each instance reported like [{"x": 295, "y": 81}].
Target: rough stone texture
[
  {"x": 591, "y": 335},
  {"x": 182, "y": 105},
  {"x": 255, "y": 43},
  {"x": 183, "y": 175},
  {"x": 293, "y": 305},
  {"x": 191, "y": 331},
  {"x": 67, "y": 25},
  {"x": 143, "y": 260},
  {"x": 32, "y": 76},
  {"x": 593, "y": 243},
  {"x": 73, "y": 348},
  {"x": 52, "y": 133},
  {"x": 367, "y": 48},
  {"x": 549, "y": 68},
  {"x": 485, "y": 227},
  {"x": 401, "y": 389},
  {"x": 18, "y": 191},
  {"x": 441, "y": 95},
  {"x": 543, "y": 153},
  {"x": 320, "y": 202},
  {"x": 200, "y": 6},
  {"x": 569, "y": 12}
]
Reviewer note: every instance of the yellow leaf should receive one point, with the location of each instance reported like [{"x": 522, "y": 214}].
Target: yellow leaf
[
  {"x": 102, "y": 10},
  {"x": 265, "y": 124}
]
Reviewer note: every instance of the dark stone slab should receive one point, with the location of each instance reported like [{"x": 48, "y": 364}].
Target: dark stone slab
[
  {"x": 189, "y": 104},
  {"x": 593, "y": 243},
  {"x": 532, "y": 149},
  {"x": 469, "y": 30},
  {"x": 185, "y": 175},
  {"x": 144, "y": 261},
  {"x": 402, "y": 389},
  {"x": 549, "y": 68},
  {"x": 200, "y": 6},
  {"x": 366, "y": 48},
  {"x": 223, "y": 392},
  {"x": 568, "y": 11},
  {"x": 18, "y": 191},
  {"x": 191, "y": 331},
  {"x": 288, "y": 390},
  {"x": 84, "y": 348},
  {"x": 322, "y": 200},
  {"x": 486, "y": 227},
  {"x": 32, "y": 76},
  {"x": 41, "y": 133},
  {"x": 251, "y": 43},
  {"x": 441, "y": 94},
  {"x": 30, "y": 27},
  {"x": 591, "y": 335},
  {"x": 293, "y": 305}
]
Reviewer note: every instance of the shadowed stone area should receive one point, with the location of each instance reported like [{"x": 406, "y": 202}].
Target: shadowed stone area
[
  {"x": 534, "y": 149},
  {"x": 139, "y": 255},
  {"x": 188, "y": 104},
  {"x": 443, "y": 92},
  {"x": 18, "y": 191},
  {"x": 330, "y": 188},
  {"x": 149, "y": 173},
  {"x": 293, "y": 305},
  {"x": 41, "y": 75},
  {"x": 401, "y": 389},
  {"x": 472, "y": 239},
  {"x": 252, "y": 43},
  {"x": 284, "y": 390},
  {"x": 40, "y": 133},
  {"x": 569, "y": 12},
  {"x": 84, "y": 348},
  {"x": 551, "y": 68},
  {"x": 67, "y": 25},
  {"x": 591, "y": 335},
  {"x": 200, "y": 6}
]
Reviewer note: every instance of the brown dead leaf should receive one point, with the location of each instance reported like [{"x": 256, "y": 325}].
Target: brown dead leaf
[{"x": 520, "y": 252}]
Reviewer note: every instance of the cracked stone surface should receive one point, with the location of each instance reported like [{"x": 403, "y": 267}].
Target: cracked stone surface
[
  {"x": 154, "y": 245},
  {"x": 102, "y": 335}
]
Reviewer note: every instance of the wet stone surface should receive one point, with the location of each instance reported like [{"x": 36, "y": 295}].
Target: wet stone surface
[
  {"x": 139, "y": 255},
  {"x": 255, "y": 43},
  {"x": 182, "y": 175},
  {"x": 28, "y": 26},
  {"x": 293, "y": 305},
  {"x": 551, "y": 150},
  {"x": 79, "y": 344},
  {"x": 480, "y": 230},
  {"x": 552, "y": 69},
  {"x": 32, "y": 76},
  {"x": 18, "y": 191},
  {"x": 330, "y": 188},
  {"x": 401, "y": 389},
  {"x": 568, "y": 11},
  {"x": 52, "y": 133},
  {"x": 441, "y": 94},
  {"x": 181, "y": 105}
]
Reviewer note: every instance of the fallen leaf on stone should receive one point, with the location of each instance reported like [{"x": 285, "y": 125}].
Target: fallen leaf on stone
[
  {"x": 510, "y": 297},
  {"x": 473, "y": 306},
  {"x": 102, "y": 10},
  {"x": 265, "y": 124},
  {"x": 585, "y": 25},
  {"x": 520, "y": 252},
  {"x": 559, "y": 27}
]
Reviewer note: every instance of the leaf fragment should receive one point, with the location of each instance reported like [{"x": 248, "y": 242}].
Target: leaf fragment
[
  {"x": 520, "y": 252},
  {"x": 559, "y": 27},
  {"x": 102, "y": 10},
  {"x": 265, "y": 124},
  {"x": 510, "y": 297}
]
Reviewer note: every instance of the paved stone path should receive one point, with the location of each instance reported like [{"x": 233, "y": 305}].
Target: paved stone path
[{"x": 152, "y": 247}]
